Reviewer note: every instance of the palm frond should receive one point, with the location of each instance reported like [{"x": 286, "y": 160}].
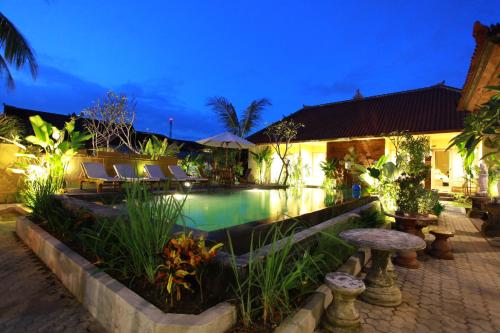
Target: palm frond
[
  {"x": 5, "y": 69},
  {"x": 17, "y": 50},
  {"x": 252, "y": 115},
  {"x": 226, "y": 113}
]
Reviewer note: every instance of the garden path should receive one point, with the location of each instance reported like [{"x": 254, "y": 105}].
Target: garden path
[
  {"x": 461, "y": 295},
  {"x": 31, "y": 297}
]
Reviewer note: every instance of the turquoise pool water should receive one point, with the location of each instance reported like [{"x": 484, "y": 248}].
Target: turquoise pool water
[{"x": 218, "y": 210}]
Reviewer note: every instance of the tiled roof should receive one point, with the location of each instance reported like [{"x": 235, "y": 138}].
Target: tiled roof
[
  {"x": 425, "y": 110},
  {"x": 55, "y": 119}
]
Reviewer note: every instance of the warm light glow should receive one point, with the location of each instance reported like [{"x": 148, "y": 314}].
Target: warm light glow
[
  {"x": 16, "y": 171},
  {"x": 187, "y": 184}
]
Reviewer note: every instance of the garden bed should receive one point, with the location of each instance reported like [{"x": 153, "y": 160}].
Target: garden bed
[{"x": 115, "y": 306}]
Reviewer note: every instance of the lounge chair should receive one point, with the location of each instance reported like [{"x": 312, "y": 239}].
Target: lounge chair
[
  {"x": 154, "y": 172},
  {"x": 179, "y": 175},
  {"x": 96, "y": 174},
  {"x": 127, "y": 173}
]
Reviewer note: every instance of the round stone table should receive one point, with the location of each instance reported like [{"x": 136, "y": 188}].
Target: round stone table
[
  {"x": 412, "y": 225},
  {"x": 380, "y": 287}
]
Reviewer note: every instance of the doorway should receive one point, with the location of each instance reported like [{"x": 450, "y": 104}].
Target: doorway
[{"x": 441, "y": 170}]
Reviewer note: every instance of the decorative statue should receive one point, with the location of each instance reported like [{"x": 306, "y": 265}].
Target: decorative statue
[{"x": 483, "y": 179}]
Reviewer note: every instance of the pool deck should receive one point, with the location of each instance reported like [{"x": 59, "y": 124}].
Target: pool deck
[{"x": 461, "y": 295}]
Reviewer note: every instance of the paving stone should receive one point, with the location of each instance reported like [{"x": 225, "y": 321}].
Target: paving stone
[
  {"x": 33, "y": 300},
  {"x": 461, "y": 295}
]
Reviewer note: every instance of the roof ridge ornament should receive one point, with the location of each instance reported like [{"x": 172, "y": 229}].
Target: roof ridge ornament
[{"x": 358, "y": 95}]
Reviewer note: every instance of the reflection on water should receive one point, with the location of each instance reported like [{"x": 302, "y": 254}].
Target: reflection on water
[{"x": 213, "y": 211}]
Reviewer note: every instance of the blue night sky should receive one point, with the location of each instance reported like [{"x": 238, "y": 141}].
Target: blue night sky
[{"x": 172, "y": 56}]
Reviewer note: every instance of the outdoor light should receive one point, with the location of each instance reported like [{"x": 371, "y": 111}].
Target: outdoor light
[
  {"x": 187, "y": 184},
  {"x": 16, "y": 171}
]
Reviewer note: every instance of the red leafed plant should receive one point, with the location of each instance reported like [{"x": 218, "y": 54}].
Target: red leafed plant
[{"x": 184, "y": 260}]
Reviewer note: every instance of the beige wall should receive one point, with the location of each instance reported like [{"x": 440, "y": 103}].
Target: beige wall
[
  {"x": 9, "y": 181},
  {"x": 312, "y": 154},
  {"x": 439, "y": 142}
]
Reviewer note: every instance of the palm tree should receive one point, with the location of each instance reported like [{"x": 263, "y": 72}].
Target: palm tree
[
  {"x": 16, "y": 50},
  {"x": 228, "y": 116}
]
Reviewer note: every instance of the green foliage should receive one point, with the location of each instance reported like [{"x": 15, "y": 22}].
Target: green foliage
[
  {"x": 38, "y": 194},
  {"x": 269, "y": 285},
  {"x": 410, "y": 194},
  {"x": 11, "y": 128},
  {"x": 156, "y": 148},
  {"x": 411, "y": 152},
  {"x": 44, "y": 175},
  {"x": 263, "y": 159},
  {"x": 149, "y": 227},
  {"x": 229, "y": 118},
  {"x": 17, "y": 51},
  {"x": 59, "y": 145},
  {"x": 334, "y": 173},
  {"x": 380, "y": 180},
  {"x": 429, "y": 203},
  {"x": 191, "y": 164},
  {"x": 482, "y": 125},
  {"x": 298, "y": 171}
]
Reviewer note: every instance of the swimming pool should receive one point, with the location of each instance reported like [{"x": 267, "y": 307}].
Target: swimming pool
[{"x": 218, "y": 210}]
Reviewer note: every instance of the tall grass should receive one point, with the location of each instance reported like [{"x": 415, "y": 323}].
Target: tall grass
[
  {"x": 270, "y": 284},
  {"x": 149, "y": 227},
  {"x": 38, "y": 195}
]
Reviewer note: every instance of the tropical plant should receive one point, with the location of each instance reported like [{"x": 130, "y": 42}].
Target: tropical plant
[
  {"x": 411, "y": 153},
  {"x": 58, "y": 145},
  {"x": 17, "y": 50},
  {"x": 262, "y": 159},
  {"x": 281, "y": 135},
  {"x": 482, "y": 125},
  {"x": 191, "y": 164},
  {"x": 334, "y": 173},
  {"x": 379, "y": 179},
  {"x": 156, "y": 148},
  {"x": 184, "y": 260},
  {"x": 150, "y": 224},
  {"x": 226, "y": 112},
  {"x": 11, "y": 129}
]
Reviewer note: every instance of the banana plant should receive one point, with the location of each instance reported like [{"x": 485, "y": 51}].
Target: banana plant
[
  {"x": 58, "y": 145},
  {"x": 156, "y": 148}
]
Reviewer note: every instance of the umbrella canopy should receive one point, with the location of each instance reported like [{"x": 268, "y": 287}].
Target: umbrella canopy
[{"x": 226, "y": 140}]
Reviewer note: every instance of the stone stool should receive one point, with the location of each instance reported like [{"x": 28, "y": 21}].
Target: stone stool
[
  {"x": 440, "y": 248},
  {"x": 341, "y": 315}
]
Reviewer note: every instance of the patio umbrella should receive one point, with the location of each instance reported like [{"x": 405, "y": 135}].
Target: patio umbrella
[{"x": 226, "y": 140}]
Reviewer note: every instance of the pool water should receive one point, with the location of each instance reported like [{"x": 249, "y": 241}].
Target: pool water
[{"x": 214, "y": 211}]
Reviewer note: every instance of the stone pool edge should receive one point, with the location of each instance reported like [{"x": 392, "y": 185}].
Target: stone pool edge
[{"x": 115, "y": 307}]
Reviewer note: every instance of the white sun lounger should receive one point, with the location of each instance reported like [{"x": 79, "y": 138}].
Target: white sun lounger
[
  {"x": 127, "y": 172},
  {"x": 96, "y": 174},
  {"x": 154, "y": 172},
  {"x": 179, "y": 175}
]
